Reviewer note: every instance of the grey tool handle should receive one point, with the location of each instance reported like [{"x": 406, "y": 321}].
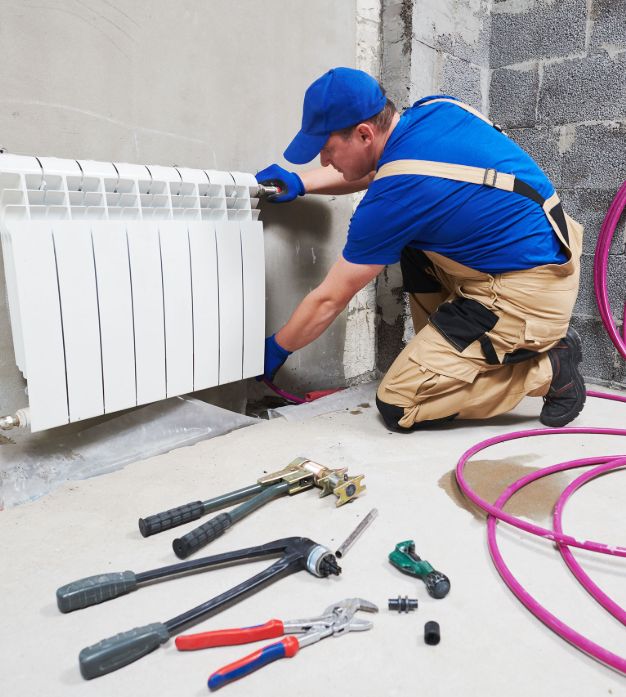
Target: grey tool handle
[
  {"x": 120, "y": 650},
  {"x": 202, "y": 535},
  {"x": 170, "y": 519},
  {"x": 95, "y": 589}
]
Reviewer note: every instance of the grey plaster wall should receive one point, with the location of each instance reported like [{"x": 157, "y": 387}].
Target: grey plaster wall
[
  {"x": 197, "y": 83},
  {"x": 559, "y": 89}
]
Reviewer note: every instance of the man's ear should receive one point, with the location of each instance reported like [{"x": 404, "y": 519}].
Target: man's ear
[{"x": 365, "y": 133}]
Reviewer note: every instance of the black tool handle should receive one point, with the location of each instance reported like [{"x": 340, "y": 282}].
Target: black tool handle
[
  {"x": 202, "y": 535},
  {"x": 120, "y": 650},
  {"x": 171, "y": 519},
  {"x": 95, "y": 589}
]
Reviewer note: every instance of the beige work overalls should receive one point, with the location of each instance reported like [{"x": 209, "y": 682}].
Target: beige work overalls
[{"x": 481, "y": 342}]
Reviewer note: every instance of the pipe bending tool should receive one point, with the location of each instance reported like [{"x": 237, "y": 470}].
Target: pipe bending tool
[
  {"x": 299, "y": 475},
  {"x": 295, "y": 554},
  {"x": 337, "y": 620},
  {"x": 404, "y": 558}
]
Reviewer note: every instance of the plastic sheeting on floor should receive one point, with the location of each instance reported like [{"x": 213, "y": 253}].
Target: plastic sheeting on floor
[{"x": 31, "y": 465}]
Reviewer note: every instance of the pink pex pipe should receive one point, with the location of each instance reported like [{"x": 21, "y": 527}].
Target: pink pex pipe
[
  {"x": 606, "y": 395},
  {"x": 285, "y": 395},
  {"x": 585, "y": 580},
  {"x": 600, "y": 266},
  {"x": 563, "y": 630},
  {"x": 518, "y": 522},
  {"x": 496, "y": 513}
]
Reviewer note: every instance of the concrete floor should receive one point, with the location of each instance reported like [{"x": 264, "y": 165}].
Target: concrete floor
[{"x": 490, "y": 643}]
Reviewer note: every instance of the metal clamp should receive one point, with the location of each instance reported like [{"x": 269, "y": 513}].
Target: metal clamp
[{"x": 490, "y": 177}]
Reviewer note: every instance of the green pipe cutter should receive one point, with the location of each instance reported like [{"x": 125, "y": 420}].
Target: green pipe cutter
[{"x": 404, "y": 558}]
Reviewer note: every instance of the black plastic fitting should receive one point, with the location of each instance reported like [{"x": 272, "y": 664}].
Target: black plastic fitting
[
  {"x": 403, "y": 604},
  {"x": 431, "y": 633}
]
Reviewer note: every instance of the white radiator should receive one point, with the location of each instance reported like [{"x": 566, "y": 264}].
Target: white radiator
[{"x": 128, "y": 283}]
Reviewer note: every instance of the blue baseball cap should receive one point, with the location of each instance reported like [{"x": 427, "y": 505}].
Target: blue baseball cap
[{"x": 341, "y": 98}]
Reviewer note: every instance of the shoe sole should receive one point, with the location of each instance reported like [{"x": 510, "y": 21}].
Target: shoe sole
[{"x": 574, "y": 342}]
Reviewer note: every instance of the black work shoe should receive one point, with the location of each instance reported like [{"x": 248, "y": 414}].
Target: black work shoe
[{"x": 566, "y": 396}]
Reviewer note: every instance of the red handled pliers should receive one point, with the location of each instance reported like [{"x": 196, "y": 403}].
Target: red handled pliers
[{"x": 336, "y": 620}]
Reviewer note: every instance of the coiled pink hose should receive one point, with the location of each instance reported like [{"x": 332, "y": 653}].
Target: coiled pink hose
[
  {"x": 496, "y": 513},
  {"x": 600, "y": 269},
  {"x": 578, "y": 640},
  {"x": 607, "y": 603}
]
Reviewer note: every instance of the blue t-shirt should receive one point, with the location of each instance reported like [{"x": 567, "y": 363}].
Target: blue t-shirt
[{"x": 487, "y": 229}]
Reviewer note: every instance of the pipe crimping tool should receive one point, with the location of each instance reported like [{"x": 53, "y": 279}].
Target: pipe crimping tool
[
  {"x": 299, "y": 475},
  {"x": 337, "y": 620},
  {"x": 303, "y": 474}
]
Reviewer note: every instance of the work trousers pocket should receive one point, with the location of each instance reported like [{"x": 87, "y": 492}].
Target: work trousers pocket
[{"x": 463, "y": 321}]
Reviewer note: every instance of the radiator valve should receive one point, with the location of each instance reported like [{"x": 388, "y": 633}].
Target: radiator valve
[{"x": 18, "y": 420}]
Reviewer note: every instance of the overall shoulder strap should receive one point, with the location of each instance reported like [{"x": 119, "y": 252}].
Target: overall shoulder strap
[
  {"x": 483, "y": 177},
  {"x": 465, "y": 106}
]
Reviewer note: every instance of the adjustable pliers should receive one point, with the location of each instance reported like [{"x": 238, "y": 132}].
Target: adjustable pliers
[{"x": 336, "y": 620}]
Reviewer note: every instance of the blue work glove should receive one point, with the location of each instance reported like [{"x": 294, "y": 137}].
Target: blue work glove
[
  {"x": 275, "y": 356},
  {"x": 289, "y": 183}
]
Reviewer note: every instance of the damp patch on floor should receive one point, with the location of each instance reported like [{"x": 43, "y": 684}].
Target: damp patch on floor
[{"x": 489, "y": 478}]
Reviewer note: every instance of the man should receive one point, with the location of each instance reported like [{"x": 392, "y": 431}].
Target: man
[{"x": 488, "y": 257}]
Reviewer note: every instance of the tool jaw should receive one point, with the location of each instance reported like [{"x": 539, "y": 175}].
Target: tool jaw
[
  {"x": 298, "y": 478},
  {"x": 344, "y": 613},
  {"x": 321, "y": 562},
  {"x": 315, "y": 635},
  {"x": 345, "y": 488},
  {"x": 336, "y": 621},
  {"x": 313, "y": 624},
  {"x": 303, "y": 474}
]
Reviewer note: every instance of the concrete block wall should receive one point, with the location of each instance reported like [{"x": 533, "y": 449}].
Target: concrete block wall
[
  {"x": 558, "y": 88},
  {"x": 436, "y": 46},
  {"x": 428, "y": 47},
  {"x": 552, "y": 73}
]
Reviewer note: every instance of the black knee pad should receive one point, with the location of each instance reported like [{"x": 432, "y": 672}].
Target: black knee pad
[
  {"x": 433, "y": 422},
  {"x": 391, "y": 415}
]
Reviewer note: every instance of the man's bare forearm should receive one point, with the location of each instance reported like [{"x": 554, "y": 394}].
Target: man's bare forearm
[
  {"x": 323, "y": 304},
  {"x": 327, "y": 180},
  {"x": 309, "y": 321}
]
